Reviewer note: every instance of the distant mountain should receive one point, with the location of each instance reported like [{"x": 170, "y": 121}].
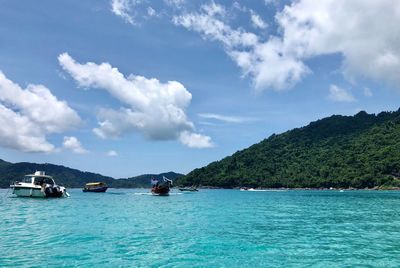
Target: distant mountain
[
  {"x": 339, "y": 151},
  {"x": 143, "y": 181},
  {"x": 72, "y": 178}
]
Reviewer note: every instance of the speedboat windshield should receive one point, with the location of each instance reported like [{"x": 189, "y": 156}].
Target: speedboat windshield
[
  {"x": 43, "y": 180},
  {"x": 27, "y": 179}
]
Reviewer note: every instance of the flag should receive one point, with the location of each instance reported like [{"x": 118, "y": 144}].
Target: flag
[
  {"x": 154, "y": 181},
  {"x": 167, "y": 180}
]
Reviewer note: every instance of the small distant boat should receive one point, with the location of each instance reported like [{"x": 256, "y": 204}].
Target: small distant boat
[
  {"x": 96, "y": 187},
  {"x": 246, "y": 189},
  {"x": 38, "y": 185},
  {"x": 188, "y": 189},
  {"x": 161, "y": 188},
  {"x": 262, "y": 190}
]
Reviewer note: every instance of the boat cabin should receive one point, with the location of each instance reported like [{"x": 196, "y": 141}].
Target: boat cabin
[
  {"x": 99, "y": 187},
  {"x": 43, "y": 180},
  {"x": 38, "y": 179},
  {"x": 95, "y": 184}
]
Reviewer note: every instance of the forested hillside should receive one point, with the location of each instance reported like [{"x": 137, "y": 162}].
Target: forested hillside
[
  {"x": 339, "y": 151},
  {"x": 73, "y": 178}
]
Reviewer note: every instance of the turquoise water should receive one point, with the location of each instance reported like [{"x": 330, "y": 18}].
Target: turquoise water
[{"x": 210, "y": 228}]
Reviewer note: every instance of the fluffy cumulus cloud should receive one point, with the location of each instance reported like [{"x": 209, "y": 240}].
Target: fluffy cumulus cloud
[
  {"x": 339, "y": 94},
  {"x": 194, "y": 140},
  {"x": 364, "y": 33},
  {"x": 155, "y": 109},
  {"x": 73, "y": 144},
  {"x": 266, "y": 62},
  {"x": 28, "y": 115}
]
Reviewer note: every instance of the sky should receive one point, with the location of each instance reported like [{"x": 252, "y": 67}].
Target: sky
[{"x": 128, "y": 87}]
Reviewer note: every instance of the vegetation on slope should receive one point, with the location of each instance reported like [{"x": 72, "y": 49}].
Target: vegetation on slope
[
  {"x": 143, "y": 181},
  {"x": 73, "y": 178},
  {"x": 339, "y": 151}
]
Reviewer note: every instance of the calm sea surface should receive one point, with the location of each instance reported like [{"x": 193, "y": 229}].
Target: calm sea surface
[{"x": 210, "y": 228}]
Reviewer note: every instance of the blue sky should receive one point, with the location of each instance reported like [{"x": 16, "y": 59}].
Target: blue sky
[{"x": 129, "y": 87}]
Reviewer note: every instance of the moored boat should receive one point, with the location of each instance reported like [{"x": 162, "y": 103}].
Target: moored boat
[
  {"x": 95, "y": 187},
  {"x": 262, "y": 190},
  {"x": 246, "y": 189},
  {"x": 161, "y": 187},
  {"x": 38, "y": 185},
  {"x": 188, "y": 189}
]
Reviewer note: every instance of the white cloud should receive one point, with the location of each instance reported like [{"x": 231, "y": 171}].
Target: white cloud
[
  {"x": 367, "y": 92},
  {"x": 155, "y": 109},
  {"x": 257, "y": 21},
  {"x": 254, "y": 57},
  {"x": 175, "y": 3},
  {"x": 28, "y": 115},
  {"x": 122, "y": 8},
  {"x": 363, "y": 32},
  {"x": 209, "y": 23},
  {"x": 271, "y": 2},
  {"x": 225, "y": 118},
  {"x": 238, "y": 6},
  {"x": 112, "y": 153},
  {"x": 151, "y": 12},
  {"x": 134, "y": 11},
  {"x": 339, "y": 94},
  {"x": 194, "y": 140},
  {"x": 73, "y": 144},
  {"x": 20, "y": 133}
]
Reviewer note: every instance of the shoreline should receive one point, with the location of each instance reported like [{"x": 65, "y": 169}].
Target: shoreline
[
  {"x": 376, "y": 188},
  {"x": 380, "y": 188}
]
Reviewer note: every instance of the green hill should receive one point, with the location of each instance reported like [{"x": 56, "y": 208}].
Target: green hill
[
  {"x": 339, "y": 151},
  {"x": 143, "y": 181},
  {"x": 72, "y": 178}
]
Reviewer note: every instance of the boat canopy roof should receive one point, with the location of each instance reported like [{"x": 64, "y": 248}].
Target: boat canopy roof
[
  {"x": 38, "y": 179},
  {"x": 94, "y": 183},
  {"x": 39, "y": 174}
]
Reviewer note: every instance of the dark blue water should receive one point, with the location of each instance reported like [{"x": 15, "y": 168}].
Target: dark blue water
[{"x": 210, "y": 228}]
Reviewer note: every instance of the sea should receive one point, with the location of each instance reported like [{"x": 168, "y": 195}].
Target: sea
[{"x": 209, "y": 228}]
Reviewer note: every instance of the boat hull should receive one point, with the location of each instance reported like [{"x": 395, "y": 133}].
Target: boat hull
[
  {"x": 162, "y": 191},
  {"x": 39, "y": 192},
  {"x": 188, "y": 190},
  {"x": 28, "y": 192},
  {"x": 95, "y": 190}
]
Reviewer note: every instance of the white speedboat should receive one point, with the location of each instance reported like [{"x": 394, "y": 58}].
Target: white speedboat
[{"x": 38, "y": 185}]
